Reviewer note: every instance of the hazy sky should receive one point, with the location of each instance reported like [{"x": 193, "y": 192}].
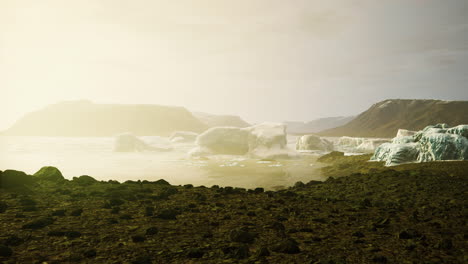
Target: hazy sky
[{"x": 261, "y": 59}]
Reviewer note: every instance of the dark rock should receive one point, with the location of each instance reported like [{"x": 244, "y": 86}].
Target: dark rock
[
  {"x": 115, "y": 210},
  {"x": 60, "y": 212},
  {"x": 446, "y": 244},
  {"x": 90, "y": 253},
  {"x": 379, "y": 259},
  {"x": 299, "y": 184},
  {"x": 151, "y": 231},
  {"x": 149, "y": 211},
  {"x": 142, "y": 260},
  {"x": 263, "y": 252},
  {"x": 116, "y": 202},
  {"x": 195, "y": 253},
  {"x": 241, "y": 235},
  {"x": 259, "y": 190},
  {"x": 13, "y": 178},
  {"x": 49, "y": 173},
  {"x": 188, "y": 186},
  {"x": 126, "y": 217},
  {"x": 236, "y": 252},
  {"x": 409, "y": 234},
  {"x": 39, "y": 223},
  {"x": 56, "y": 233},
  {"x": 76, "y": 212},
  {"x": 168, "y": 214},
  {"x": 3, "y": 207},
  {"x": 161, "y": 182},
  {"x": 14, "y": 241},
  {"x": 358, "y": 234},
  {"x": 288, "y": 246},
  {"x": 84, "y": 180},
  {"x": 138, "y": 238},
  {"x": 72, "y": 234},
  {"x": 5, "y": 251}
]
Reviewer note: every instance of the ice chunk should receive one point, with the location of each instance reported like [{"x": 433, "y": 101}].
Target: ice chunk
[
  {"x": 183, "y": 136},
  {"x": 313, "y": 142}
]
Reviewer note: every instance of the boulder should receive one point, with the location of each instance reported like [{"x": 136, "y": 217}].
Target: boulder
[
  {"x": 183, "y": 137},
  {"x": 13, "y": 178},
  {"x": 49, "y": 173},
  {"x": 313, "y": 142},
  {"x": 433, "y": 143},
  {"x": 84, "y": 180}
]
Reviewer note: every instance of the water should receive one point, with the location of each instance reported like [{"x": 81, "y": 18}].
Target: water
[{"x": 95, "y": 157}]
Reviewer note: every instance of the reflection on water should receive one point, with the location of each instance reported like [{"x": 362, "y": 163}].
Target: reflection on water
[{"x": 94, "y": 157}]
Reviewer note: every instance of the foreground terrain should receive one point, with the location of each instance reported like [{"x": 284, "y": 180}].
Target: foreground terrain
[{"x": 364, "y": 213}]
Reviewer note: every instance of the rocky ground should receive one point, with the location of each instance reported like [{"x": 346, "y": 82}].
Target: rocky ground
[{"x": 364, "y": 213}]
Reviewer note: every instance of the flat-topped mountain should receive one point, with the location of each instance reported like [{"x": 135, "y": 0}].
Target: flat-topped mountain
[
  {"x": 317, "y": 125},
  {"x": 84, "y": 118},
  {"x": 383, "y": 119},
  {"x": 221, "y": 120}
]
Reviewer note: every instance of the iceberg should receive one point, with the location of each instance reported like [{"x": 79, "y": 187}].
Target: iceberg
[
  {"x": 313, "y": 142},
  {"x": 183, "y": 137},
  {"x": 266, "y": 140},
  {"x": 433, "y": 143},
  {"x": 356, "y": 144}
]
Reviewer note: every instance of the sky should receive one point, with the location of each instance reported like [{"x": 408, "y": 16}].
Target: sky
[{"x": 265, "y": 60}]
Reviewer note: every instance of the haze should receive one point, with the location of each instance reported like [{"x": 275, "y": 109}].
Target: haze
[{"x": 264, "y": 60}]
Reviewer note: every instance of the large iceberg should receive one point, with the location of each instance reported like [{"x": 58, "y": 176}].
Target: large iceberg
[
  {"x": 313, "y": 142},
  {"x": 438, "y": 142},
  {"x": 264, "y": 141},
  {"x": 130, "y": 143},
  {"x": 357, "y": 144}
]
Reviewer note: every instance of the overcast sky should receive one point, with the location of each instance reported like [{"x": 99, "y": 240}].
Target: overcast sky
[{"x": 265, "y": 60}]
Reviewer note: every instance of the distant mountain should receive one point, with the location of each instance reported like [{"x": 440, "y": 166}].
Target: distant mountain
[
  {"x": 220, "y": 120},
  {"x": 84, "y": 118},
  {"x": 317, "y": 125},
  {"x": 383, "y": 119}
]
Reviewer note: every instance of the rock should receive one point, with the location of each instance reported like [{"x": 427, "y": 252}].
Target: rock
[
  {"x": 49, "y": 173},
  {"x": 151, "y": 231},
  {"x": 13, "y": 178},
  {"x": 313, "y": 142},
  {"x": 183, "y": 137},
  {"x": 5, "y": 251},
  {"x": 241, "y": 235},
  {"x": 161, "y": 182},
  {"x": 195, "y": 253},
  {"x": 237, "y": 252},
  {"x": 90, "y": 253},
  {"x": 3, "y": 206},
  {"x": 14, "y": 241},
  {"x": 138, "y": 238},
  {"x": 288, "y": 246},
  {"x": 263, "y": 252},
  {"x": 168, "y": 214},
  {"x": 76, "y": 212},
  {"x": 84, "y": 180},
  {"x": 39, "y": 223},
  {"x": 59, "y": 212}
]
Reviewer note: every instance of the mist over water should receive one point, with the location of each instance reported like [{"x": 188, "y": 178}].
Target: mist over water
[{"x": 94, "y": 156}]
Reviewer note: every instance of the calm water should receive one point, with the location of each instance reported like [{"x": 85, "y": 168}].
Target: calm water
[{"x": 95, "y": 157}]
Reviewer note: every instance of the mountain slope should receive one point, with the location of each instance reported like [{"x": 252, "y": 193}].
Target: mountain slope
[
  {"x": 83, "y": 118},
  {"x": 317, "y": 125},
  {"x": 220, "y": 120},
  {"x": 383, "y": 119}
]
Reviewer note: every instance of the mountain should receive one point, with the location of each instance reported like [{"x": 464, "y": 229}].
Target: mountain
[
  {"x": 220, "y": 120},
  {"x": 84, "y": 118},
  {"x": 317, "y": 125},
  {"x": 383, "y": 119}
]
